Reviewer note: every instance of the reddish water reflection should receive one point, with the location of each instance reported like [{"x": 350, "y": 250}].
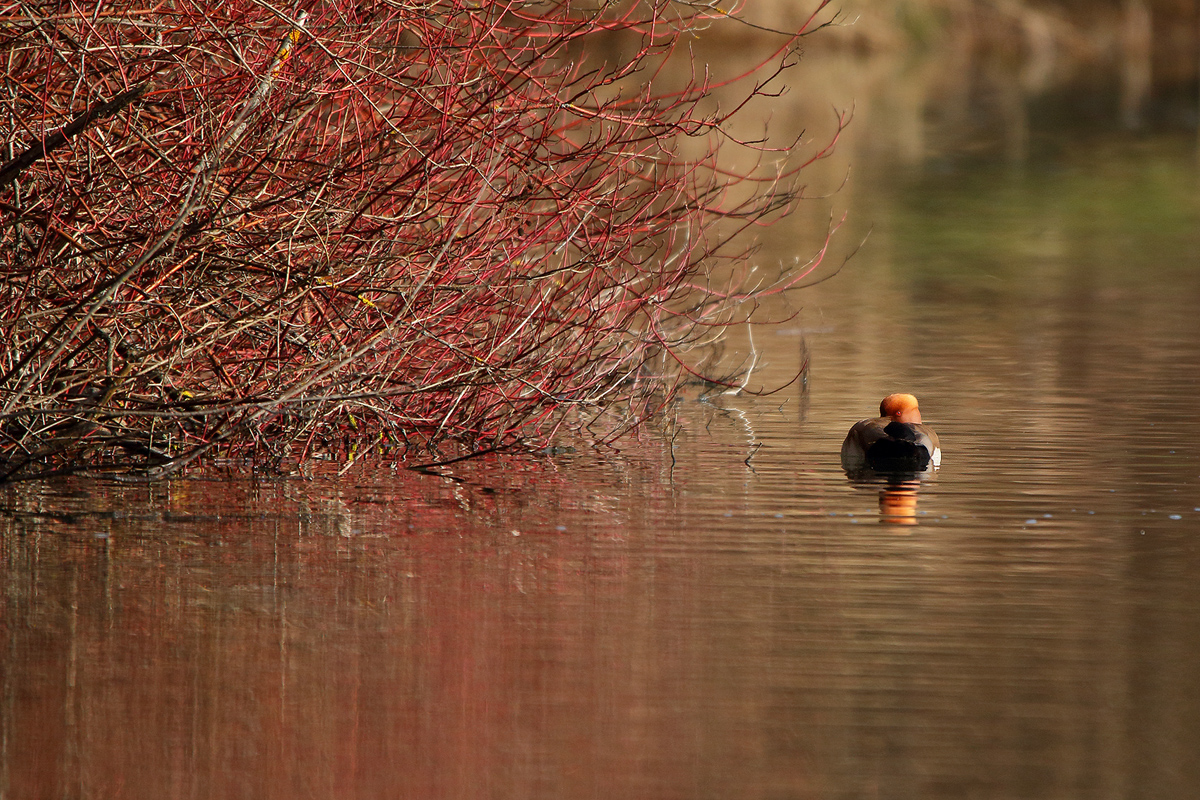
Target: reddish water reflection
[{"x": 702, "y": 631}]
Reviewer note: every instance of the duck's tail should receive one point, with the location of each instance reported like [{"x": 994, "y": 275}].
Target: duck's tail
[{"x": 900, "y": 450}]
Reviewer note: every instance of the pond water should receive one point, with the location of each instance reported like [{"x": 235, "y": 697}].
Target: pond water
[{"x": 714, "y": 610}]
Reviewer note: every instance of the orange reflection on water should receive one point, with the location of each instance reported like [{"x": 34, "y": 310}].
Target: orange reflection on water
[
  {"x": 897, "y": 493},
  {"x": 898, "y": 503}
]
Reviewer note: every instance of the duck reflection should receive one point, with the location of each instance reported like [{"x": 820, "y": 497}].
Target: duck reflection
[
  {"x": 897, "y": 493},
  {"x": 898, "y": 503}
]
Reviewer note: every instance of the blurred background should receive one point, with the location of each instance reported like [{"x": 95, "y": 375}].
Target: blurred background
[{"x": 972, "y": 75}]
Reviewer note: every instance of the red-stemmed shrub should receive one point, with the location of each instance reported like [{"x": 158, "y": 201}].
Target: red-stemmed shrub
[{"x": 241, "y": 229}]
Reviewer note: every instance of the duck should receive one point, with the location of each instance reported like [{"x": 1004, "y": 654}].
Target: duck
[{"x": 895, "y": 442}]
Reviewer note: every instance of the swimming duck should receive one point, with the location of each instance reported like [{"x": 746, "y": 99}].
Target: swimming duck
[{"x": 896, "y": 442}]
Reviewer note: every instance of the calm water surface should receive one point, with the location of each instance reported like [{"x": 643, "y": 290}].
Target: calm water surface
[{"x": 714, "y": 611}]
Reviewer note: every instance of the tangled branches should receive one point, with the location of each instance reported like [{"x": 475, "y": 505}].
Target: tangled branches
[{"x": 234, "y": 229}]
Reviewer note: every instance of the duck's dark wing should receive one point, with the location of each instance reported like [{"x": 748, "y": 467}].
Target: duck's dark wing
[{"x": 859, "y": 440}]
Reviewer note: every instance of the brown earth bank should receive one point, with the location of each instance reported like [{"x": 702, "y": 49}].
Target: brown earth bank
[{"x": 1144, "y": 54}]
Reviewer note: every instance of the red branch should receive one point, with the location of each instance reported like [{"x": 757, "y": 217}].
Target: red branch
[{"x": 230, "y": 229}]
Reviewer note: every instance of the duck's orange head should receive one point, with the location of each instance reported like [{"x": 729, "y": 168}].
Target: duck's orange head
[{"x": 900, "y": 407}]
